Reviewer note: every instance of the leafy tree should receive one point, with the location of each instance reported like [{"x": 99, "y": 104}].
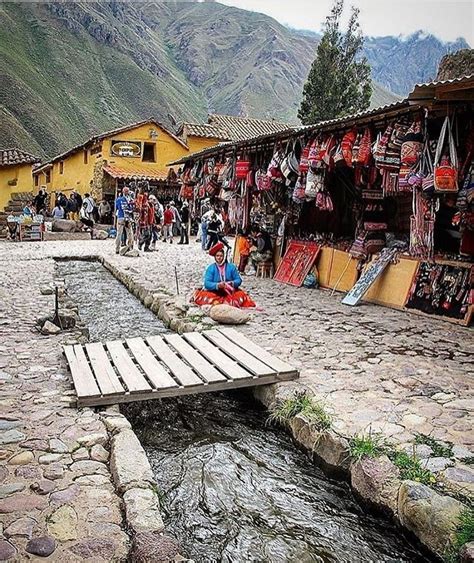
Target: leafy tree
[{"x": 339, "y": 81}]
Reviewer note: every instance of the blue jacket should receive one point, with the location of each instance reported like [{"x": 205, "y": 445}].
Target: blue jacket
[{"x": 212, "y": 276}]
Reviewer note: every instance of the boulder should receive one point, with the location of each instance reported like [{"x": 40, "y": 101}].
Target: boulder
[
  {"x": 66, "y": 226},
  {"x": 99, "y": 234},
  {"x": 333, "y": 451},
  {"x": 430, "y": 516},
  {"x": 466, "y": 554},
  {"x": 50, "y": 329},
  {"x": 228, "y": 315},
  {"x": 376, "y": 481}
]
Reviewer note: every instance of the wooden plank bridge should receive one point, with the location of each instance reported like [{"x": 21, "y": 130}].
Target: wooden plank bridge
[{"x": 140, "y": 369}]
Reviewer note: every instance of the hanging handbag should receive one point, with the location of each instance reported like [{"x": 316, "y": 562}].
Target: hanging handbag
[
  {"x": 274, "y": 170},
  {"x": 446, "y": 169},
  {"x": 242, "y": 168},
  {"x": 314, "y": 183},
  {"x": 364, "y": 155},
  {"x": 299, "y": 190},
  {"x": 347, "y": 143},
  {"x": 304, "y": 162},
  {"x": 263, "y": 182},
  {"x": 290, "y": 164}
]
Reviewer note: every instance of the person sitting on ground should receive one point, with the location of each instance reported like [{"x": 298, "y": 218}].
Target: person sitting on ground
[
  {"x": 58, "y": 211},
  {"x": 222, "y": 283},
  {"x": 264, "y": 247}
]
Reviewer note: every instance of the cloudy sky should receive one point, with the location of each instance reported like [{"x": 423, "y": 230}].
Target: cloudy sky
[{"x": 447, "y": 19}]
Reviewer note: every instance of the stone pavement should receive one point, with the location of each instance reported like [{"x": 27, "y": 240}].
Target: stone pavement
[
  {"x": 56, "y": 495},
  {"x": 373, "y": 367}
]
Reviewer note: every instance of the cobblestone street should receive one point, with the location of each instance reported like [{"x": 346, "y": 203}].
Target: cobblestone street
[{"x": 374, "y": 368}]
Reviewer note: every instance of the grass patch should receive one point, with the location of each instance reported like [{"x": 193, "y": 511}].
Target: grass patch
[
  {"x": 463, "y": 534},
  {"x": 439, "y": 449},
  {"x": 301, "y": 403},
  {"x": 371, "y": 445},
  {"x": 410, "y": 468}
]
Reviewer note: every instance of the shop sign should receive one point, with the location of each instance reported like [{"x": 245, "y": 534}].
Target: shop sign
[
  {"x": 126, "y": 148},
  {"x": 299, "y": 258}
]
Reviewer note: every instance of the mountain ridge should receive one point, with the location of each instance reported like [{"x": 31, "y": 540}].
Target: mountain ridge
[{"x": 72, "y": 69}]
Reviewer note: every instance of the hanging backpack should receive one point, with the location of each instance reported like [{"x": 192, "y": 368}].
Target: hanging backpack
[
  {"x": 299, "y": 194},
  {"x": 412, "y": 145},
  {"x": 314, "y": 183},
  {"x": 446, "y": 168},
  {"x": 274, "y": 170}
]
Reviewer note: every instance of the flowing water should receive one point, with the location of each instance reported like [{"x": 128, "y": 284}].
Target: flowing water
[{"x": 233, "y": 489}]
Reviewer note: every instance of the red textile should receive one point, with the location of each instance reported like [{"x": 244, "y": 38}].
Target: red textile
[{"x": 237, "y": 299}]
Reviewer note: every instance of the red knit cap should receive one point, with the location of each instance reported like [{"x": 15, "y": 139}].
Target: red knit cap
[{"x": 215, "y": 249}]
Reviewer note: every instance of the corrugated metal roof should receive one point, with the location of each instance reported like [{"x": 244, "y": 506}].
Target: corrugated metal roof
[
  {"x": 10, "y": 157},
  {"x": 427, "y": 90},
  {"x": 242, "y": 128},
  {"x": 290, "y": 131}
]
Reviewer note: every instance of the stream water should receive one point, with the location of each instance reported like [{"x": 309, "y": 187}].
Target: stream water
[{"x": 233, "y": 489}]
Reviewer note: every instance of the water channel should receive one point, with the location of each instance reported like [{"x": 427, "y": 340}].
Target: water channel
[{"x": 233, "y": 489}]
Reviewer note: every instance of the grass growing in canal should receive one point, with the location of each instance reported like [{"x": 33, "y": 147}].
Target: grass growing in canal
[
  {"x": 463, "y": 534},
  {"x": 410, "y": 468},
  {"x": 440, "y": 449},
  {"x": 301, "y": 403},
  {"x": 371, "y": 445}
]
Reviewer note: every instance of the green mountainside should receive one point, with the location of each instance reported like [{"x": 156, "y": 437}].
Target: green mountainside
[{"x": 72, "y": 69}]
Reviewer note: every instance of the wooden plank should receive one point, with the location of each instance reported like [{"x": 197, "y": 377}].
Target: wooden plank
[
  {"x": 392, "y": 287},
  {"x": 82, "y": 375},
  {"x": 218, "y": 358},
  {"x": 155, "y": 372},
  {"x": 258, "y": 352},
  {"x": 128, "y": 371},
  {"x": 248, "y": 361},
  {"x": 178, "y": 368},
  {"x": 181, "y": 391},
  {"x": 205, "y": 369},
  {"x": 103, "y": 370}
]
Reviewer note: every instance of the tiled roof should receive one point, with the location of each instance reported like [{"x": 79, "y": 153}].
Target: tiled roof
[
  {"x": 10, "y": 157},
  {"x": 135, "y": 173},
  {"x": 241, "y": 128},
  {"x": 205, "y": 130},
  {"x": 107, "y": 134}
]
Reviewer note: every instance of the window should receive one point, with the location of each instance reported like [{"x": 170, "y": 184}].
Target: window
[
  {"x": 36, "y": 180},
  {"x": 86, "y": 160},
  {"x": 61, "y": 167},
  {"x": 149, "y": 152},
  {"x": 47, "y": 176},
  {"x": 96, "y": 150}
]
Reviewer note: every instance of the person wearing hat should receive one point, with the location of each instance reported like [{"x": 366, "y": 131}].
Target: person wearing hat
[{"x": 222, "y": 283}]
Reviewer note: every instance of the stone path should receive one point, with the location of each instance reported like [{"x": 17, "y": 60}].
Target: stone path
[
  {"x": 373, "y": 367},
  {"x": 56, "y": 495}
]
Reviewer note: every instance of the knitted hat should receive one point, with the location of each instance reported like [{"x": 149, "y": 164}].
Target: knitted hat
[{"x": 215, "y": 249}]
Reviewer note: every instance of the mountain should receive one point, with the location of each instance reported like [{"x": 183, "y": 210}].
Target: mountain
[
  {"x": 398, "y": 63},
  {"x": 457, "y": 64},
  {"x": 72, "y": 69}
]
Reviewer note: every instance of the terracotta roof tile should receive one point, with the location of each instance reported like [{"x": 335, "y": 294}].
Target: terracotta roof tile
[
  {"x": 10, "y": 157},
  {"x": 242, "y": 128},
  {"x": 137, "y": 172}
]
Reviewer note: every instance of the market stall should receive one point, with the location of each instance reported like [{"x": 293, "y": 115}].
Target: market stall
[{"x": 399, "y": 177}]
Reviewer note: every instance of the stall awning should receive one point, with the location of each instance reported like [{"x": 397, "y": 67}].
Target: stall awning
[{"x": 136, "y": 173}]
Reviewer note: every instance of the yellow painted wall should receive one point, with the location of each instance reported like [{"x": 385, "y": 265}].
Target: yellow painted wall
[
  {"x": 77, "y": 175},
  {"x": 198, "y": 143},
  {"x": 21, "y": 173}
]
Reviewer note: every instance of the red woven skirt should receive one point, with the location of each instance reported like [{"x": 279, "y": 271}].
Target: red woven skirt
[{"x": 238, "y": 299}]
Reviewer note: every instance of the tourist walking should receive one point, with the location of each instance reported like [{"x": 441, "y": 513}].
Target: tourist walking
[
  {"x": 205, "y": 217},
  {"x": 72, "y": 208},
  {"x": 184, "y": 224},
  {"x": 168, "y": 222},
  {"x": 214, "y": 229},
  {"x": 157, "y": 218},
  {"x": 89, "y": 204},
  {"x": 124, "y": 213},
  {"x": 177, "y": 219}
]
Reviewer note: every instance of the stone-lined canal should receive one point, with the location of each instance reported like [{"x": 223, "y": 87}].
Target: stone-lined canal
[{"x": 232, "y": 489}]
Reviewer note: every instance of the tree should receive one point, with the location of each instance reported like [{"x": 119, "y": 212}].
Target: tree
[{"x": 339, "y": 81}]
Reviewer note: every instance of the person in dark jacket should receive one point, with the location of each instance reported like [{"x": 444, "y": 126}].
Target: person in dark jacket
[{"x": 184, "y": 224}]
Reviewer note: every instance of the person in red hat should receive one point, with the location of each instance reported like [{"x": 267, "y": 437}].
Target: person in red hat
[{"x": 222, "y": 283}]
